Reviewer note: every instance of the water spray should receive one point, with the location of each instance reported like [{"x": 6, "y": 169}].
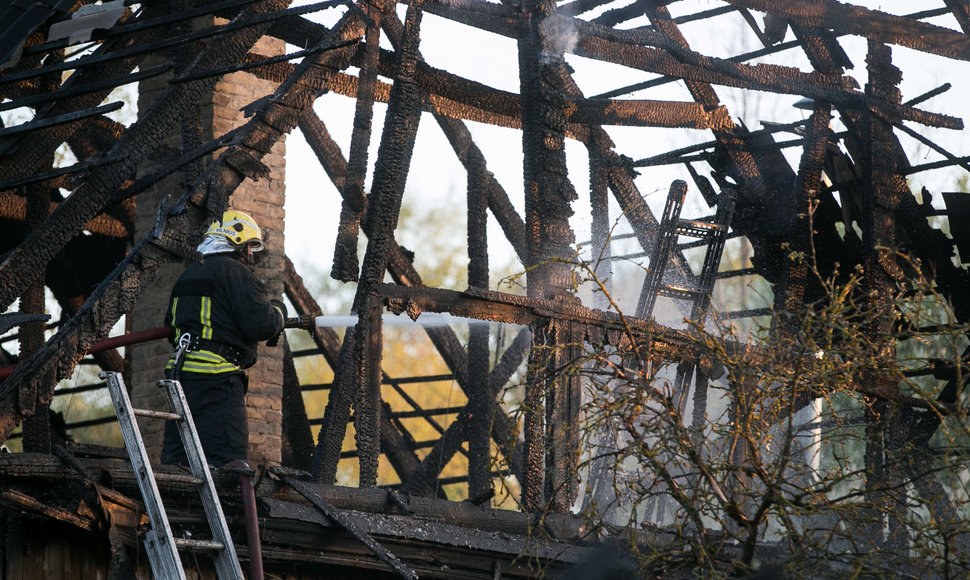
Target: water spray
[{"x": 425, "y": 319}]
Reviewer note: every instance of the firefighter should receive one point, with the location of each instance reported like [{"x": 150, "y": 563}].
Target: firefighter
[{"x": 219, "y": 311}]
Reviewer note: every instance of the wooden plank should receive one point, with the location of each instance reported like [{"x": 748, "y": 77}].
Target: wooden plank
[{"x": 28, "y": 505}]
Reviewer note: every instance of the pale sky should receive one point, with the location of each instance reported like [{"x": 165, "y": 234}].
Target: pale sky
[{"x": 437, "y": 180}]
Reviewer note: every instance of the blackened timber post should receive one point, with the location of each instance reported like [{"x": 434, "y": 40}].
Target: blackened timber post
[
  {"x": 879, "y": 281},
  {"x": 384, "y": 206},
  {"x": 191, "y": 122},
  {"x": 552, "y": 396},
  {"x": 792, "y": 295},
  {"x": 353, "y": 197},
  {"x": 479, "y": 434},
  {"x": 37, "y": 426},
  {"x": 368, "y": 346},
  {"x": 296, "y": 440}
]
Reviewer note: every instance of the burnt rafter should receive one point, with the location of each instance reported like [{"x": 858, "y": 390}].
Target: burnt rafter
[
  {"x": 120, "y": 289},
  {"x": 22, "y": 266},
  {"x": 871, "y": 24},
  {"x": 443, "y": 338},
  {"x": 392, "y": 440}
]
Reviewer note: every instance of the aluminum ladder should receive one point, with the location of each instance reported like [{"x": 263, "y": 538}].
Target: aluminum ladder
[
  {"x": 160, "y": 544},
  {"x": 711, "y": 232}
]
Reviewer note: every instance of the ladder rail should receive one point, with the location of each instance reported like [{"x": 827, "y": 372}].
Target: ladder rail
[
  {"x": 666, "y": 240},
  {"x": 160, "y": 544},
  {"x": 226, "y": 561},
  {"x": 159, "y": 541},
  {"x": 698, "y": 294}
]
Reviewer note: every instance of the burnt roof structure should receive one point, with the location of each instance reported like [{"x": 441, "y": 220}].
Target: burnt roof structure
[{"x": 833, "y": 176}]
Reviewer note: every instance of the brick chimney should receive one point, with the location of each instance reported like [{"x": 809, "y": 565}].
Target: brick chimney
[{"x": 264, "y": 201}]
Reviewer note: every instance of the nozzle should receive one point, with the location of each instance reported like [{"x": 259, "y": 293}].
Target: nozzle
[{"x": 304, "y": 321}]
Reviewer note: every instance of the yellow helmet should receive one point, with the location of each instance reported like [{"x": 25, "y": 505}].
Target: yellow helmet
[{"x": 239, "y": 228}]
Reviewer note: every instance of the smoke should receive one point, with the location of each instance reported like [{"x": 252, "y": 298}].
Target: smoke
[{"x": 558, "y": 36}]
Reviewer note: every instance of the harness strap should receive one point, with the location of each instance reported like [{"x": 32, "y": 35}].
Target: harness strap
[
  {"x": 191, "y": 343},
  {"x": 233, "y": 354}
]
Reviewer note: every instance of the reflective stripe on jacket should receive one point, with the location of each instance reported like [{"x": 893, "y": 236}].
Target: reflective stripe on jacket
[{"x": 221, "y": 300}]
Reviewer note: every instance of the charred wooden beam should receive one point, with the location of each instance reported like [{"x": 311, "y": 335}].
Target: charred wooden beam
[
  {"x": 393, "y": 440},
  {"x": 23, "y": 503},
  {"x": 22, "y": 266},
  {"x": 37, "y": 124},
  {"x": 551, "y": 442},
  {"x": 353, "y": 196},
  {"x": 479, "y": 439},
  {"x": 601, "y": 327},
  {"x": 961, "y": 12},
  {"x": 13, "y": 206},
  {"x": 66, "y": 92},
  {"x": 118, "y": 291},
  {"x": 645, "y": 113},
  {"x": 881, "y": 275},
  {"x": 790, "y": 295},
  {"x": 35, "y": 402},
  {"x": 297, "y": 441},
  {"x": 390, "y": 175},
  {"x": 332, "y": 513},
  {"x": 872, "y": 24}
]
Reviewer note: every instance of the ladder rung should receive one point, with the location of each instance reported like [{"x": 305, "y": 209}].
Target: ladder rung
[
  {"x": 676, "y": 291},
  {"x": 747, "y": 313},
  {"x": 157, "y": 414},
  {"x": 698, "y": 229},
  {"x": 178, "y": 478},
  {"x": 198, "y": 545}
]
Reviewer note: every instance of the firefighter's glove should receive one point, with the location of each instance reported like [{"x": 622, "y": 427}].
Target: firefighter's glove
[{"x": 280, "y": 309}]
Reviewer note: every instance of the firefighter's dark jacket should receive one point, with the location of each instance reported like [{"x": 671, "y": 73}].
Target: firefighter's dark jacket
[{"x": 220, "y": 301}]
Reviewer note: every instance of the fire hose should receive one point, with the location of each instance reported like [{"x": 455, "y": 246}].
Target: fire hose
[{"x": 303, "y": 322}]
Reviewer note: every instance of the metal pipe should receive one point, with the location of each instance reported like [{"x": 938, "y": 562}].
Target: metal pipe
[{"x": 252, "y": 527}]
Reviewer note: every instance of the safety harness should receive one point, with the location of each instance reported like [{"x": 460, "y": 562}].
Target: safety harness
[{"x": 205, "y": 356}]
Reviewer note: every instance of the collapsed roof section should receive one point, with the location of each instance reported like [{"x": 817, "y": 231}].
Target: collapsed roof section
[{"x": 70, "y": 225}]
